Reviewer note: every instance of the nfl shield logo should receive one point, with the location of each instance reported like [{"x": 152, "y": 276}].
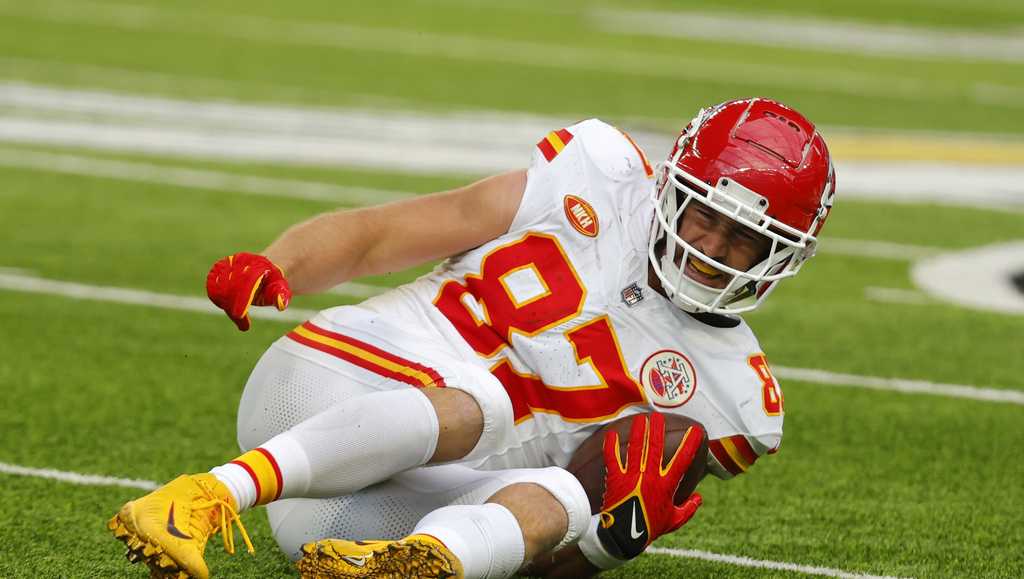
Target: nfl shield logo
[{"x": 632, "y": 294}]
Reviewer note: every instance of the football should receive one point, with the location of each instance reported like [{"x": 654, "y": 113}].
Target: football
[{"x": 587, "y": 462}]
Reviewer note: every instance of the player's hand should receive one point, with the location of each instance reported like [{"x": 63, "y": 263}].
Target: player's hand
[
  {"x": 638, "y": 502},
  {"x": 245, "y": 279}
]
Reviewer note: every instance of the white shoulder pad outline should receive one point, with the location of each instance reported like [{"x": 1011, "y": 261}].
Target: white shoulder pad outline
[{"x": 613, "y": 151}]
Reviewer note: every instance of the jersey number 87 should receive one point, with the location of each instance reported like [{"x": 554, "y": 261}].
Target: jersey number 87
[{"x": 594, "y": 342}]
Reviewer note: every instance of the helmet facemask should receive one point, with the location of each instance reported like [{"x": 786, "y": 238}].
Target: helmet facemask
[
  {"x": 750, "y": 165},
  {"x": 745, "y": 290}
]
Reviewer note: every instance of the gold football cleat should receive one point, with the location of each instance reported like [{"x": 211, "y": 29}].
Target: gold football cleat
[
  {"x": 169, "y": 527},
  {"x": 415, "y": 557}
]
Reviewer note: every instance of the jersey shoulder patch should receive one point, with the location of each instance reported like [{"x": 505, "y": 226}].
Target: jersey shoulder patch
[{"x": 554, "y": 143}]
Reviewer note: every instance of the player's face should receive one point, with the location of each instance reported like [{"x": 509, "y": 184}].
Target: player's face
[{"x": 722, "y": 239}]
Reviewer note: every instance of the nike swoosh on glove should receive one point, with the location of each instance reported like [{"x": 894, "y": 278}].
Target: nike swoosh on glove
[
  {"x": 638, "y": 502},
  {"x": 245, "y": 279}
]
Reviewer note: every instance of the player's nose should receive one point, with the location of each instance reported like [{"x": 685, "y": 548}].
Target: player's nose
[{"x": 714, "y": 243}]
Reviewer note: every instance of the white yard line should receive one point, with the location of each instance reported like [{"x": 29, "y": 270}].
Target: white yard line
[
  {"x": 80, "y": 291},
  {"x": 295, "y": 149},
  {"x": 42, "y": 101},
  {"x": 815, "y": 34},
  {"x": 195, "y": 178},
  {"x": 992, "y": 187},
  {"x": 875, "y": 249},
  {"x": 31, "y": 284},
  {"x": 900, "y": 385},
  {"x": 898, "y": 296},
  {"x": 76, "y": 477},
  {"x": 418, "y": 44},
  {"x": 762, "y": 564},
  {"x": 112, "y": 77}
]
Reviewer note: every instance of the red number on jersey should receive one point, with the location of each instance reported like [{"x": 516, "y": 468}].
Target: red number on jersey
[
  {"x": 562, "y": 300},
  {"x": 769, "y": 387},
  {"x": 594, "y": 342}
]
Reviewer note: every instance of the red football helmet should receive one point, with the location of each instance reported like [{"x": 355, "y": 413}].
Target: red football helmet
[{"x": 755, "y": 161}]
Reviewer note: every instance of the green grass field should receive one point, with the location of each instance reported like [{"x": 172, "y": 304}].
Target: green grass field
[{"x": 867, "y": 481}]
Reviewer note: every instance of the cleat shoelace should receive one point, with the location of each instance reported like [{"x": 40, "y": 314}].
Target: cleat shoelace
[{"x": 228, "y": 516}]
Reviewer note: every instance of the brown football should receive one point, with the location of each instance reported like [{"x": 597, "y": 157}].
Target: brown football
[{"x": 587, "y": 463}]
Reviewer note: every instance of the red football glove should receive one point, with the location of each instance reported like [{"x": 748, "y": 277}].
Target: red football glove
[
  {"x": 638, "y": 502},
  {"x": 244, "y": 279}
]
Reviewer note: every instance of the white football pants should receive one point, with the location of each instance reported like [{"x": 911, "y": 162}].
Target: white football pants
[{"x": 323, "y": 364}]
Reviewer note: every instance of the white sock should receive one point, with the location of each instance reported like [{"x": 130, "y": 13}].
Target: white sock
[
  {"x": 486, "y": 538},
  {"x": 238, "y": 482},
  {"x": 347, "y": 447},
  {"x": 277, "y": 456}
]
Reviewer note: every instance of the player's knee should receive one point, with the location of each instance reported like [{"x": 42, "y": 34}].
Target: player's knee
[
  {"x": 474, "y": 416},
  {"x": 531, "y": 494},
  {"x": 460, "y": 422}
]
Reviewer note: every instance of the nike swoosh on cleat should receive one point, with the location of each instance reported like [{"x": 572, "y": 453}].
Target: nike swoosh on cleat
[
  {"x": 354, "y": 561},
  {"x": 632, "y": 529},
  {"x": 171, "y": 528}
]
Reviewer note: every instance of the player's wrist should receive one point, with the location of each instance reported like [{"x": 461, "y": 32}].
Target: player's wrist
[
  {"x": 282, "y": 262},
  {"x": 594, "y": 550}
]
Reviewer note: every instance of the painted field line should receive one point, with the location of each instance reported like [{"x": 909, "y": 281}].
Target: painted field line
[
  {"x": 875, "y": 249},
  {"x": 891, "y": 295},
  {"x": 977, "y": 277},
  {"x": 11, "y": 279},
  {"x": 77, "y": 478},
  {"x": 37, "y": 285},
  {"x": 480, "y": 49},
  {"x": 761, "y": 564},
  {"x": 900, "y": 385},
  {"x": 196, "y": 178},
  {"x": 98, "y": 480},
  {"x": 217, "y": 144},
  {"x": 816, "y": 34}
]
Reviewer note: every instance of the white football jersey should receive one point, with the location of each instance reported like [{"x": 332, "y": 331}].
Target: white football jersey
[{"x": 559, "y": 310}]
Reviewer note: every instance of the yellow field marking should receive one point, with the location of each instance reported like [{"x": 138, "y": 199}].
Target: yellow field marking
[{"x": 896, "y": 147}]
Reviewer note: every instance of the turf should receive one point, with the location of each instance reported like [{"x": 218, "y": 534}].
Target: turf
[
  {"x": 462, "y": 57},
  {"x": 866, "y": 481}
]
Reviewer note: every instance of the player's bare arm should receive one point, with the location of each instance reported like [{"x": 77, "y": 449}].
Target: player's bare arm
[
  {"x": 341, "y": 245},
  {"x": 335, "y": 247}
]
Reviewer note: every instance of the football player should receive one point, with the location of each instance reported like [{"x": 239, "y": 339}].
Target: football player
[{"x": 436, "y": 419}]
